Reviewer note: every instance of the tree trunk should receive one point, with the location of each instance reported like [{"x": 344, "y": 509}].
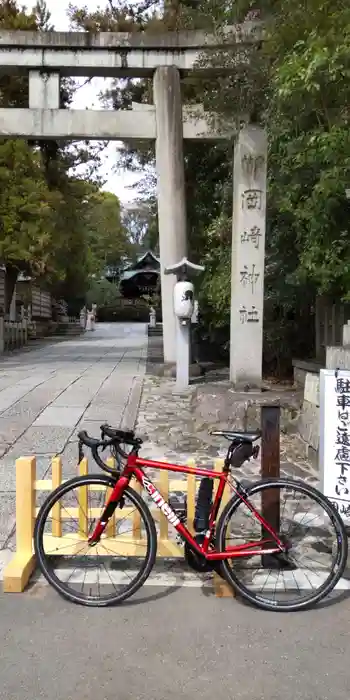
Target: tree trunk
[{"x": 10, "y": 284}]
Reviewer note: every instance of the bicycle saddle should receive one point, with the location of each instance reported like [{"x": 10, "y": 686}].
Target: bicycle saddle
[{"x": 238, "y": 435}]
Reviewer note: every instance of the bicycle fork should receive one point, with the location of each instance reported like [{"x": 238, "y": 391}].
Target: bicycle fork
[{"x": 114, "y": 499}]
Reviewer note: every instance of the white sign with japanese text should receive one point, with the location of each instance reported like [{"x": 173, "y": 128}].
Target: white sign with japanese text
[{"x": 335, "y": 438}]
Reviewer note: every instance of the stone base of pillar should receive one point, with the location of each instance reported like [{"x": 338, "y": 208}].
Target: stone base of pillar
[
  {"x": 247, "y": 386},
  {"x": 168, "y": 369}
]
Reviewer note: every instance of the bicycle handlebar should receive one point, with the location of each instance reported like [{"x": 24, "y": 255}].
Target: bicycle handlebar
[
  {"x": 126, "y": 436},
  {"x": 94, "y": 444},
  {"x": 89, "y": 441},
  {"x": 116, "y": 437}
]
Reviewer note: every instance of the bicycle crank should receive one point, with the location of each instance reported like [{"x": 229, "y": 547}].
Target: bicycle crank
[{"x": 196, "y": 561}]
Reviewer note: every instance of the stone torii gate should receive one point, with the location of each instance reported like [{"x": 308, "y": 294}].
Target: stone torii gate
[{"x": 166, "y": 58}]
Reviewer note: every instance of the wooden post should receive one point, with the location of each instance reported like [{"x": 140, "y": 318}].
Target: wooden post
[
  {"x": 56, "y": 468},
  {"x": 19, "y": 570},
  {"x": 221, "y": 586},
  {"x": 270, "y": 468},
  {"x": 110, "y": 529},
  {"x": 83, "y": 498},
  {"x": 164, "y": 490},
  {"x": 136, "y": 520},
  {"x": 191, "y": 497}
]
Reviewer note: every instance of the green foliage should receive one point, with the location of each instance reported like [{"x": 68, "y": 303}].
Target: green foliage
[
  {"x": 124, "y": 313},
  {"x": 215, "y": 285},
  {"x": 14, "y": 90},
  {"x": 140, "y": 221},
  {"x": 25, "y": 201},
  {"x": 106, "y": 235},
  {"x": 27, "y": 238},
  {"x": 152, "y": 300},
  {"x": 296, "y": 82},
  {"x": 54, "y": 223},
  {"x": 102, "y": 293},
  {"x": 71, "y": 273},
  {"x": 310, "y": 140}
]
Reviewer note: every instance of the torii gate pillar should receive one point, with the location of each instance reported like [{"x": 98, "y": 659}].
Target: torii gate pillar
[{"x": 171, "y": 192}]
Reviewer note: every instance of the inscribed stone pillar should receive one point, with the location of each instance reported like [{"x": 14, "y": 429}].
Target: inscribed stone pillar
[
  {"x": 248, "y": 254},
  {"x": 170, "y": 191}
]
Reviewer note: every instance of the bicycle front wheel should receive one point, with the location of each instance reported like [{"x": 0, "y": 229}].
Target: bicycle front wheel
[
  {"x": 118, "y": 565},
  {"x": 312, "y": 531}
]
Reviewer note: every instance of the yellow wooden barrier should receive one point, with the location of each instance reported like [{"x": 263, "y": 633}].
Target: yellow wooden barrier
[
  {"x": 19, "y": 570},
  {"x": 221, "y": 587}
]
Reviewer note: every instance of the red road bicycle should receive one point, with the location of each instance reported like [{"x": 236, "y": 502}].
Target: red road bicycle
[{"x": 276, "y": 552}]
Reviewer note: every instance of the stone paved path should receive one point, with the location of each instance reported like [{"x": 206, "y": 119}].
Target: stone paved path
[{"x": 47, "y": 394}]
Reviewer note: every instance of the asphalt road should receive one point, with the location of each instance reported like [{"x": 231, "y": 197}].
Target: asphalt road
[{"x": 171, "y": 643}]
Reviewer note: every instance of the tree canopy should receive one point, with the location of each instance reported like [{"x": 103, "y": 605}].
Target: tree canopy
[
  {"x": 55, "y": 222},
  {"x": 296, "y": 83},
  {"x": 294, "y": 80},
  {"x": 27, "y": 209},
  {"x": 106, "y": 233}
]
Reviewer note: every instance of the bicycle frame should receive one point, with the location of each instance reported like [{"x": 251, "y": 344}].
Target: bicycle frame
[{"x": 134, "y": 467}]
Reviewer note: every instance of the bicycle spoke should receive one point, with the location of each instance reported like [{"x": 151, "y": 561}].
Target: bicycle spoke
[
  {"x": 311, "y": 540},
  {"x": 113, "y": 566}
]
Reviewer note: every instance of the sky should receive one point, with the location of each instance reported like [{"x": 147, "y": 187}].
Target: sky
[{"x": 87, "y": 96}]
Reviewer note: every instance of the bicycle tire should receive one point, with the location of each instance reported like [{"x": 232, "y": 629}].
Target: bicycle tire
[
  {"x": 337, "y": 570},
  {"x": 50, "y": 576}
]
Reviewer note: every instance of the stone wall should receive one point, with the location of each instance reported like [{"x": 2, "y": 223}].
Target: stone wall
[
  {"x": 308, "y": 424},
  {"x": 301, "y": 368},
  {"x": 337, "y": 357}
]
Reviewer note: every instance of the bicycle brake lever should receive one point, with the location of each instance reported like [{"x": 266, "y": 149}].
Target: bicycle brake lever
[{"x": 80, "y": 451}]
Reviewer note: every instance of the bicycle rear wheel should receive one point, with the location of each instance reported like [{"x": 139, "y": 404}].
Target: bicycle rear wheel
[
  {"x": 117, "y": 566},
  {"x": 310, "y": 527}
]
